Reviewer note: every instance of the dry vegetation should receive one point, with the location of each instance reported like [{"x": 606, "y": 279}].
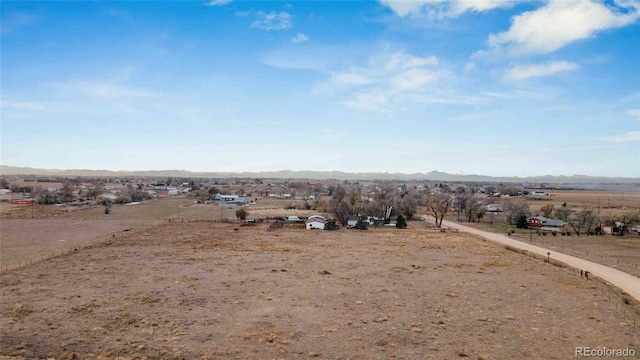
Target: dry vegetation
[
  {"x": 607, "y": 201},
  {"x": 193, "y": 290}
]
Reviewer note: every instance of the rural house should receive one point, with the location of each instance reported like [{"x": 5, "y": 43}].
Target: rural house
[{"x": 543, "y": 223}]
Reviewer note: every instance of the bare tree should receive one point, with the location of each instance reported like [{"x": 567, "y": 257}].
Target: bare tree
[
  {"x": 547, "y": 210},
  {"x": 339, "y": 205},
  {"x": 461, "y": 201},
  {"x": 514, "y": 209},
  {"x": 67, "y": 192},
  {"x": 582, "y": 220},
  {"x": 406, "y": 204},
  {"x": 439, "y": 205},
  {"x": 475, "y": 209},
  {"x": 563, "y": 213}
]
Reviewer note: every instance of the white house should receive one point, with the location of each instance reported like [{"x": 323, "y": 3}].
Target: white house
[
  {"x": 172, "y": 191},
  {"x": 494, "y": 207}
]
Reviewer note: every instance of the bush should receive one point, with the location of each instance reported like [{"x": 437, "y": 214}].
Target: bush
[
  {"x": 361, "y": 224},
  {"x": 521, "y": 222},
  {"x": 401, "y": 223},
  {"x": 241, "y": 214}
]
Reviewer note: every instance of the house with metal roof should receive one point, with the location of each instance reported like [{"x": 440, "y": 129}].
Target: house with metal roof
[{"x": 543, "y": 223}]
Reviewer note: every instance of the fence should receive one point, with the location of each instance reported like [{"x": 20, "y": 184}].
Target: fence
[{"x": 619, "y": 261}]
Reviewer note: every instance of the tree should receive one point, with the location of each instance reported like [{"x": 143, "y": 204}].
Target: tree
[
  {"x": 4, "y": 183},
  {"x": 439, "y": 204},
  {"x": 406, "y": 204},
  {"x": 461, "y": 201},
  {"x": 474, "y": 209},
  {"x": 340, "y": 206},
  {"x": 242, "y": 214},
  {"x": 67, "y": 192},
  {"x": 521, "y": 221},
  {"x": 547, "y": 210},
  {"x": 582, "y": 220},
  {"x": 629, "y": 217},
  {"x": 515, "y": 208},
  {"x": 563, "y": 213},
  {"x": 43, "y": 196},
  {"x": 94, "y": 192}
]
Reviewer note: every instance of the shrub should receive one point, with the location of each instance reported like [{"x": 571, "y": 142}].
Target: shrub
[
  {"x": 361, "y": 224},
  {"x": 241, "y": 214},
  {"x": 401, "y": 223}
]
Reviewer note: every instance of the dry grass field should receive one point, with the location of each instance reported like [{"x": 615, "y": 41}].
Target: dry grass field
[
  {"x": 606, "y": 200},
  {"x": 220, "y": 291}
]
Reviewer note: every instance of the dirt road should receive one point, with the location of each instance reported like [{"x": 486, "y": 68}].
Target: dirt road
[{"x": 626, "y": 282}]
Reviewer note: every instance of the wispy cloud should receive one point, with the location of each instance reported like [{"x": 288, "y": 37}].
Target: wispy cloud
[
  {"x": 299, "y": 38},
  {"x": 217, "y": 2},
  {"x": 104, "y": 90},
  {"x": 439, "y": 9},
  {"x": 560, "y": 23},
  {"x": 522, "y": 72},
  {"x": 387, "y": 80},
  {"x": 634, "y": 112},
  {"x": 626, "y": 137},
  {"x": 272, "y": 21},
  {"x": 16, "y": 20},
  {"x": 24, "y": 105}
]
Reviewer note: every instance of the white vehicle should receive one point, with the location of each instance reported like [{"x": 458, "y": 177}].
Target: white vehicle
[{"x": 293, "y": 219}]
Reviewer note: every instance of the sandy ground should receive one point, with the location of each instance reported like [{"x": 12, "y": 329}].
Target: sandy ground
[{"x": 186, "y": 290}]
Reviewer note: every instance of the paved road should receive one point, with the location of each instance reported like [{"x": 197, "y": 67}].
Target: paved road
[{"x": 627, "y": 282}]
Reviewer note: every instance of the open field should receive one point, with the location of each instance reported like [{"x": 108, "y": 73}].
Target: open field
[
  {"x": 589, "y": 199},
  {"x": 187, "y": 290},
  {"x": 26, "y": 240},
  {"x": 621, "y": 252}
]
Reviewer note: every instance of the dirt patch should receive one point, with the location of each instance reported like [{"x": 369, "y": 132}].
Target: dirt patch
[
  {"x": 30, "y": 240},
  {"x": 193, "y": 290}
]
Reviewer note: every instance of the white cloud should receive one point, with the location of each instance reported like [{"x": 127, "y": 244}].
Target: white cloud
[
  {"x": 439, "y": 9},
  {"x": 272, "y": 21},
  {"x": 634, "y": 112},
  {"x": 402, "y": 61},
  {"x": 23, "y": 105},
  {"x": 560, "y": 23},
  {"x": 626, "y": 137},
  {"x": 218, "y": 2},
  {"x": 469, "y": 66},
  {"x": 387, "y": 80},
  {"x": 522, "y": 72},
  {"x": 105, "y": 90},
  {"x": 368, "y": 102},
  {"x": 299, "y": 38},
  {"x": 413, "y": 79},
  {"x": 352, "y": 77}
]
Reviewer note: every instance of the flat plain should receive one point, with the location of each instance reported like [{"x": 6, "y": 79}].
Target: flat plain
[{"x": 214, "y": 290}]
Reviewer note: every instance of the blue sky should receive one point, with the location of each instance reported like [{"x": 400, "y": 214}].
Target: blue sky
[{"x": 493, "y": 87}]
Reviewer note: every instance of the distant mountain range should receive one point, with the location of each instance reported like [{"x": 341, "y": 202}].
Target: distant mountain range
[{"x": 322, "y": 175}]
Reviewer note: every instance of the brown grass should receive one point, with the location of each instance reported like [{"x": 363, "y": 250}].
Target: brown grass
[{"x": 189, "y": 290}]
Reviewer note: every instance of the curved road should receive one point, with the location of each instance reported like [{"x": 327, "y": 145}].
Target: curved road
[{"x": 626, "y": 282}]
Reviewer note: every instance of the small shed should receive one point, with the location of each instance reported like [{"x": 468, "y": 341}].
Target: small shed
[{"x": 315, "y": 224}]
